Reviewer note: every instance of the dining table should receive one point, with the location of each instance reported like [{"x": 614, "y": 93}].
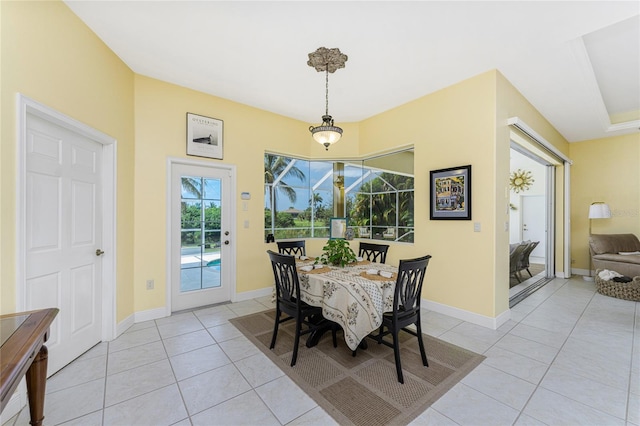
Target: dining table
[
  {"x": 355, "y": 296},
  {"x": 23, "y": 354}
]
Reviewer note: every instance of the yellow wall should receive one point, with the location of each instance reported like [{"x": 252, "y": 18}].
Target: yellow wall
[
  {"x": 462, "y": 124},
  {"x": 49, "y": 55},
  {"x": 511, "y": 103},
  {"x": 449, "y": 128},
  {"x": 604, "y": 170},
  {"x": 160, "y": 118},
  {"x": 459, "y": 125}
]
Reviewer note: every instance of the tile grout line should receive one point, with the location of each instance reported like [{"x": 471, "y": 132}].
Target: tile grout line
[
  {"x": 521, "y": 410},
  {"x": 106, "y": 375},
  {"x": 537, "y": 385},
  {"x": 633, "y": 341},
  {"x": 232, "y": 362},
  {"x": 173, "y": 372},
  {"x": 547, "y": 371}
]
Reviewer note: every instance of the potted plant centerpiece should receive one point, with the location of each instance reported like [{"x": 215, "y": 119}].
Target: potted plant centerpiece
[{"x": 337, "y": 252}]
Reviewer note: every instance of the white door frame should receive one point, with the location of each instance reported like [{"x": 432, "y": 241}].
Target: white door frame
[
  {"x": 566, "y": 163},
  {"x": 26, "y": 106},
  {"x": 231, "y": 262}
]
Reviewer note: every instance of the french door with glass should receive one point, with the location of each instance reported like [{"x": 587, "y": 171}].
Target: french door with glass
[{"x": 200, "y": 236}]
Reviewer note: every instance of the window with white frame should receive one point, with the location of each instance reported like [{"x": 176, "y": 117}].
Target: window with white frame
[{"x": 300, "y": 196}]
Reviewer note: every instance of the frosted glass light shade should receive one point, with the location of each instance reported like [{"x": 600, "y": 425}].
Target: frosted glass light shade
[
  {"x": 599, "y": 211},
  {"x": 326, "y": 134}
]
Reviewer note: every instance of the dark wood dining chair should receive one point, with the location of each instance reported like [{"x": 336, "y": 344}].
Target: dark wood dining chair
[
  {"x": 406, "y": 309},
  {"x": 292, "y": 248},
  {"x": 288, "y": 302},
  {"x": 374, "y": 252}
]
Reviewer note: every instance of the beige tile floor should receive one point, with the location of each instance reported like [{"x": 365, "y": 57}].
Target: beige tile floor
[{"x": 568, "y": 356}]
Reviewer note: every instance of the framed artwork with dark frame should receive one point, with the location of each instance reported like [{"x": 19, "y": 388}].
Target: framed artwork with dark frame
[
  {"x": 337, "y": 228},
  {"x": 450, "y": 195},
  {"x": 204, "y": 136}
]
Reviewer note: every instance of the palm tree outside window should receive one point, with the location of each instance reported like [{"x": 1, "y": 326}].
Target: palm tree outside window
[{"x": 299, "y": 200}]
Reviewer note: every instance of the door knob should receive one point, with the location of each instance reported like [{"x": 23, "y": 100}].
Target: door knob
[
  {"x": 226, "y": 242},
  {"x": 99, "y": 252},
  {"x": 226, "y": 232}
]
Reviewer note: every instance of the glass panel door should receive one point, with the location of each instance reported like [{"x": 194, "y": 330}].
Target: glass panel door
[
  {"x": 200, "y": 242},
  {"x": 200, "y": 236}
]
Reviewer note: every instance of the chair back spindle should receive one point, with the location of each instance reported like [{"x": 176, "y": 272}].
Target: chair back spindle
[
  {"x": 409, "y": 286},
  {"x": 287, "y": 282},
  {"x": 293, "y": 248},
  {"x": 374, "y": 252}
]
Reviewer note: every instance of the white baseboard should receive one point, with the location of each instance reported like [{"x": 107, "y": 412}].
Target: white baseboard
[
  {"x": 122, "y": 326},
  {"x": 150, "y": 314},
  {"x": 157, "y": 313},
  {"x": 136, "y": 317},
  {"x": 472, "y": 317},
  {"x": 247, "y": 295},
  {"x": 578, "y": 271}
]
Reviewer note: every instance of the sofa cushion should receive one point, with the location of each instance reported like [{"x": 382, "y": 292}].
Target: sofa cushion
[
  {"x": 613, "y": 243},
  {"x": 613, "y": 257}
]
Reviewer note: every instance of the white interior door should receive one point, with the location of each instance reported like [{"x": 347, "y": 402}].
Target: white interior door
[
  {"x": 201, "y": 241},
  {"x": 534, "y": 222},
  {"x": 63, "y": 223}
]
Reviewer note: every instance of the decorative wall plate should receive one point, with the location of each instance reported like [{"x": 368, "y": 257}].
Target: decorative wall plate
[{"x": 521, "y": 180}]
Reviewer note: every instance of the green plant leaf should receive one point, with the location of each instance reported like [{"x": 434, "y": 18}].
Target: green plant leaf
[{"x": 337, "y": 252}]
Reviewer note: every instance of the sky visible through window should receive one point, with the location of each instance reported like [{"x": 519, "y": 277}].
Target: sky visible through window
[
  {"x": 318, "y": 175},
  {"x": 379, "y": 203}
]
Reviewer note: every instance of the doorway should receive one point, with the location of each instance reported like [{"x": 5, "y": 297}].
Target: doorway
[
  {"x": 201, "y": 243},
  {"x": 66, "y": 228},
  {"x": 531, "y": 220}
]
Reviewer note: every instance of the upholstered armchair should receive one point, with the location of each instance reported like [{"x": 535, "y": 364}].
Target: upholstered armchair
[
  {"x": 364, "y": 232},
  {"x": 390, "y": 233}
]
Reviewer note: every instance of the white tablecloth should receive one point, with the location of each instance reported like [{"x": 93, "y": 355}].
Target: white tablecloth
[{"x": 349, "y": 299}]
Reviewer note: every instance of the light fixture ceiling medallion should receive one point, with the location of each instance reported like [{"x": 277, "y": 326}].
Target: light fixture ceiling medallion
[{"x": 327, "y": 60}]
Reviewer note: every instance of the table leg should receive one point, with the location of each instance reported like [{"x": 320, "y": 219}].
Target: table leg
[
  {"x": 36, "y": 378},
  {"x": 314, "y": 336}
]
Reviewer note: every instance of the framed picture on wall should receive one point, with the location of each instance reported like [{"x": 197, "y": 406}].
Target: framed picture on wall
[
  {"x": 450, "y": 193},
  {"x": 204, "y": 136},
  {"x": 338, "y": 228}
]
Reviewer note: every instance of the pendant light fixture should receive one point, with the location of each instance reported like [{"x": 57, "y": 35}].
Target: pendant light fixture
[{"x": 327, "y": 60}]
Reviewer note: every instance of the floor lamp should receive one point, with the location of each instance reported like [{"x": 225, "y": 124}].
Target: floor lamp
[{"x": 597, "y": 210}]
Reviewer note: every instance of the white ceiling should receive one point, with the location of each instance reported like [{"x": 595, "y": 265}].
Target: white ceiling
[{"x": 255, "y": 53}]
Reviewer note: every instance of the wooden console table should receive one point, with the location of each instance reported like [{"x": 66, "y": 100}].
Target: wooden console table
[{"x": 23, "y": 353}]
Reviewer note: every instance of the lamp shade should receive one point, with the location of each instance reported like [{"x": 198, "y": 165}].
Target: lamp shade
[
  {"x": 599, "y": 211},
  {"x": 326, "y": 134}
]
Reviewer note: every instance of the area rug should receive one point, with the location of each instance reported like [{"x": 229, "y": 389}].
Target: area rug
[{"x": 363, "y": 390}]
